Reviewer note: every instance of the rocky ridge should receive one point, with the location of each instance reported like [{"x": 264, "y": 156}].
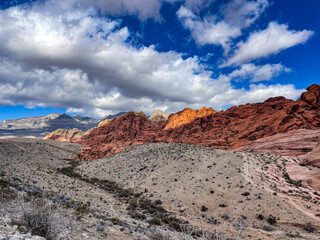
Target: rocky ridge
[{"x": 230, "y": 129}]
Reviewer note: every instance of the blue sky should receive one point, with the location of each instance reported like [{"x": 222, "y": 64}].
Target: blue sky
[{"x": 96, "y": 58}]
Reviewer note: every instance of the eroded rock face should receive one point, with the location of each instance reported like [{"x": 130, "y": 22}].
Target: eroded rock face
[
  {"x": 300, "y": 147},
  {"x": 187, "y": 116},
  {"x": 65, "y": 135},
  {"x": 296, "y": 143},
  {"x": 313, "y": 158},
  {"x": 229, "y": 129}
]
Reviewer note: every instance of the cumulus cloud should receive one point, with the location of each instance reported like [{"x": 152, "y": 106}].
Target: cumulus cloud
[
  {"x": 275, "y": 38},
  {"x": 208, "y": 30},
  {"x": 56, "y": 54},
  {"x": 223, "y": 26},
  {"x": 259, "y": 73}
]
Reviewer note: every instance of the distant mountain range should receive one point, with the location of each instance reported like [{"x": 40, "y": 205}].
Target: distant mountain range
[{"x": 41, "y": 126}]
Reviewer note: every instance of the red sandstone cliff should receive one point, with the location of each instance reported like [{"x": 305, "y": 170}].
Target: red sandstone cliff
[{"x": 187, "y": 115}]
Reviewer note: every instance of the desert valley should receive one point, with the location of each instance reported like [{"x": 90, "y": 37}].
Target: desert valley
[
  {"x": 250, "y": 172},
  {"x": 159, "y": 120}
]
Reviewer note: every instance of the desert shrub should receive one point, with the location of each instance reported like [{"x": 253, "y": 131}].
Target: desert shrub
[
  {"x": 133, "y": 203},
  {"x": 271, "y": 220},
  {"x": 309, "y": 227},
  {"x": 175, "y": 225},
  {"x": 6, "y": 193},
  {"x": 137, "y": 215},
  {"x": 267, "y": 228},
  {"x": 155, "y": 221},
  {"x": 45, "y": 220},
  {"x": 204, "y": 209},
  {"x": 225, "y": 217},
  {"x": 158, "y": 236},
  {"x": 296, "y": 183},
  {"x": 260, "y": 217},
  {"x": 115, "y": 221},
  {"x": 101, "y": 226},
  {"x": 150, "y": 207},
  {"x": 82, "y": 208}
]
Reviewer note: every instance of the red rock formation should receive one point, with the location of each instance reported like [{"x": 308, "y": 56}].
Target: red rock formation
[
  {"x": 187, "y": 116},
  {"x": 229, "y": 129},
  {"x": 129, "y": 129}
]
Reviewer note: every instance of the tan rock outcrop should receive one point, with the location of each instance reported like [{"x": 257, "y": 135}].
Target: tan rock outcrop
[
  {"x": 158, "y": 115},
  {"x": 106, "y": 121},
  {"x": 65, "y": 135}
]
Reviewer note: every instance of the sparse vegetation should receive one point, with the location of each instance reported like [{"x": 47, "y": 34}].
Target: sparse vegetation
[
  {"x": 309, "y": 228},
  {"x": 135, "y": 199},
  {"x": 145, "y": 214}
]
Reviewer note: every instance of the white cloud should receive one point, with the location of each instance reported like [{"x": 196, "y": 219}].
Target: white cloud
[
  {"x": 54, "y": 54},
  {"x": 208, "y": 31},
  {"x": 256, "y": 93},
  {"x": 266, "y": 42},
  {"x": 220, "y": 30},
  {"x": 259, "y": 73},
  {"x": 243, "y": 13}
]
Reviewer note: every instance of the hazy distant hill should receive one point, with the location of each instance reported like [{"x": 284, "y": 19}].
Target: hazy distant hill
[{"x": 40, "y": 126}]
